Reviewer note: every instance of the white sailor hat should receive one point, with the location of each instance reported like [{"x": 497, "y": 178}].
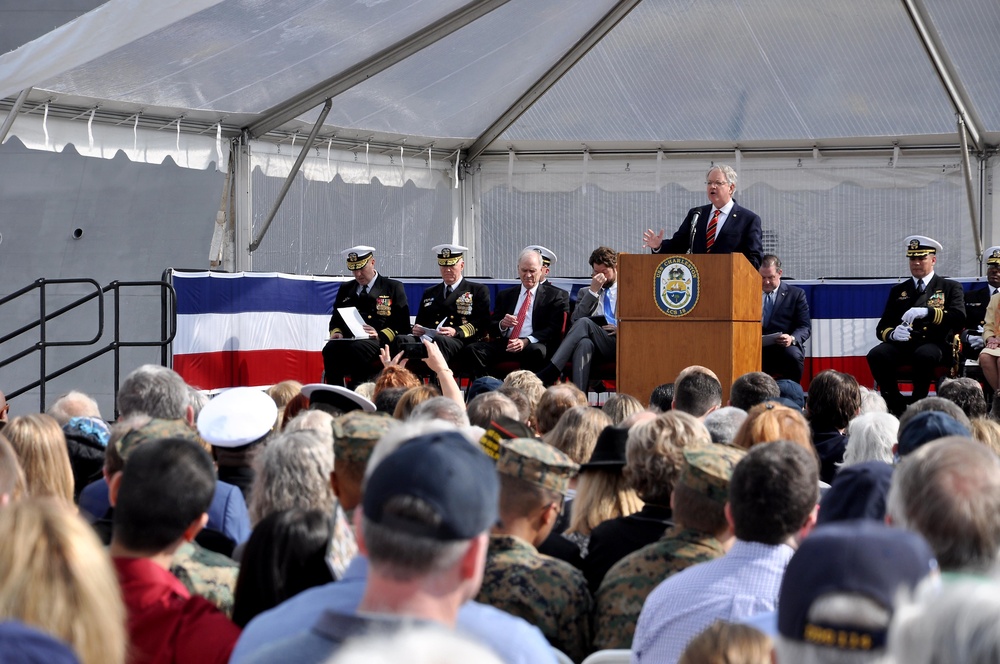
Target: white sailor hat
[
  {"x": 992, "y": 256},
  {"x": 918, "y": 246},
  {"x": 549, "y": 257},
  {"x": 337, "y": 396},
  {"x": 237, "y": 417},
  {"x": 449, "y": 254},
  {"x": 357, "y": 257}
]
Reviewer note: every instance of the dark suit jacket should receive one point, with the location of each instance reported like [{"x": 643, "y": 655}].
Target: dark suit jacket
[
  {"x": 790, "y": 314},
  {"x": 975, "y": 307},
  {"x": 976, "y": 302},
  {"x": 945, "y": 301},
  {"x": 467, "y": 309},
  {"x": 548, "y": 312},
  {"x": 741, "y": 233},
  {"x": 385, "y": 308}
]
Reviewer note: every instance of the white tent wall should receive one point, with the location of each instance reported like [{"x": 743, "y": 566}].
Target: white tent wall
[
  {"x": 400, "y": 204},
  {"x": 136, "y": 219},
  {"x": 825, "y": 216}
]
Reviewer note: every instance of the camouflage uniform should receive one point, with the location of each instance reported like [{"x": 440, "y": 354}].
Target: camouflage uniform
[
  {"x": 704, "y": 469},
  {"x": 547, "y": 592},
  {"x": 206, "y": 573},
  {"x": 356, "y": 433},
  {"x": 628, "y": 583}
]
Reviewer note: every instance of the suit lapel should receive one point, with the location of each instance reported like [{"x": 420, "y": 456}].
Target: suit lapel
[{"x": 779, "y": 299}]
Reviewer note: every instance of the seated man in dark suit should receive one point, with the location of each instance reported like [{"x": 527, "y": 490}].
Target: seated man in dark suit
[
  {"x": 456, "y": 312},
  {"x": 921, "y": 316},
  {"x": 594, "y": 323},
  {"x": 383, "y": 308},
  {"x": 527, "y": 322},
  {"x": 720, "y": 228},
  {"x": 785, "y": 323}
]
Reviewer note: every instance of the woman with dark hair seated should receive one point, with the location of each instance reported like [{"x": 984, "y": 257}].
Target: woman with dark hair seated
[{"x": 285, "y": 555}]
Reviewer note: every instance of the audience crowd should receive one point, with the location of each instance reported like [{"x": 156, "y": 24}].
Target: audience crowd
[{"x": 417, "y": 519}]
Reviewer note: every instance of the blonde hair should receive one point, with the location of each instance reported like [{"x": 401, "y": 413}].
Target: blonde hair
[
  {"x": 412, "y": 398},
  {"x": 601, "y": 495},
  {"x": 56, "y": 576},
  {"x": 576, "y": 432},
  {"x": 653, "y": 453},
  {"x": 40, "y": 446},
  {"x": 728, "y": 643},
  {"x": 986, "y": 430},
  {"x": 620, "y": 406},
  {"x": 767, "y": 422},
  {"x": 281, "y": 393},
  {"x": 529, "y": 384},
  {"x": 12, "y": 482}
]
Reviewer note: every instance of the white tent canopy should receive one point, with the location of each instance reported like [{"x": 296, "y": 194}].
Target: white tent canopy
[
  {"x": 639, "y": 74},
  {"x": 537, "y": 97}
]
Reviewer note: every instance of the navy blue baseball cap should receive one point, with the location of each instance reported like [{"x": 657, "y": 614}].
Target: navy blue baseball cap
[
  {"x": 858, "y": 491},
  {"x": 860, "y": 557},
  {"x": 448, "y": 473},
  {"x": 927, "y": 427},
  {"x": 791, "y": 391}
]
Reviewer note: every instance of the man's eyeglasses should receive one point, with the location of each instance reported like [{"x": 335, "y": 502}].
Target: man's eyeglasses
[{"x": 716, "y": 183}]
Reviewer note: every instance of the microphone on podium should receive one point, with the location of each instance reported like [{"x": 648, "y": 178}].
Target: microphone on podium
[{"x": 694, "y": 229}]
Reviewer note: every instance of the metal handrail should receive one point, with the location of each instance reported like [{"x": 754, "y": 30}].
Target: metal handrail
[{"x": 168, "y": 329}]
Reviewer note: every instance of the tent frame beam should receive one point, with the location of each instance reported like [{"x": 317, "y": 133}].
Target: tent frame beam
[
  {"x": 411, "y": 44},
  {"x": 12, "y": 114},
  {"x": 552, "y": 76},
  {"x": 303, "y": 153},
  {"x": 945, "y": 69}
]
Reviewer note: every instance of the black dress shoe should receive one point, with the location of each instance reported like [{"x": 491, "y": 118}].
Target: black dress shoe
[{"x": 548, "y": 374}]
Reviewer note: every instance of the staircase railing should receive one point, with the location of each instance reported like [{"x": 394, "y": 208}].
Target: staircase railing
[{"x": 168, "y": 329}]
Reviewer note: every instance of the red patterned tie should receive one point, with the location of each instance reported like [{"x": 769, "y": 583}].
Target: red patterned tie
[
  {"x": 710, "y": 235},
  {"x": 522, "y": 313}
]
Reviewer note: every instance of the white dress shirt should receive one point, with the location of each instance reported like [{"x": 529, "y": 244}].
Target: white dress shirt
[{"x": 526, "y": 329}]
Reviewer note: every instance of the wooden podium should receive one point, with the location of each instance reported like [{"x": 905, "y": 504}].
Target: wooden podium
[{"x": 721, "y": 331}]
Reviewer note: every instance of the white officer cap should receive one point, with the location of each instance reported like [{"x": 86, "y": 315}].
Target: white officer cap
[
  {"x": 918, "y": 246},
  {"x": 357, "y": 257},
  {"x": 449, "y": 254},
  {"x": 549, "y": 257},
  {"x": 237, "y": 417},
  {"x": 992, "y": 255},
  {"x": 337, "y": 396}
]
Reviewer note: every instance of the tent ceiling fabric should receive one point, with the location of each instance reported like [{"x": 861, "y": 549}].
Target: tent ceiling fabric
[{"x": 717, "y": 74}]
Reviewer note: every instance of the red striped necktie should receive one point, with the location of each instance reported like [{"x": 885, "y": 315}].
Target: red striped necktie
[
  {"x": 522, "y": 313},
  {"x": 710, "y": 235}
]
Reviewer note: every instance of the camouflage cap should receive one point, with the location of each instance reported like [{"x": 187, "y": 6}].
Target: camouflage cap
[
  {"x": 501, "y": 428},
  {"x": 536, "y": 462},
  {"x": 155, "y": 429},
  {"x": 707, "y": 469},
  {"x": 355, "y": 434}
]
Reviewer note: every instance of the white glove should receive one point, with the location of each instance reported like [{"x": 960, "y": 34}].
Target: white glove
[
  {"x": 913, "y": 314},
  {"x": 901, "y": 333},
  {"x": 976, "y": 342}
]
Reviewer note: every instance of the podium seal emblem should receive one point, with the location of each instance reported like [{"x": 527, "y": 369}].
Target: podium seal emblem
[{"x": 675, "y": 286}]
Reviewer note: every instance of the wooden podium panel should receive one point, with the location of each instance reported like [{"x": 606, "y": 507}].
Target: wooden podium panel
[{"x": 721, "y": 331}]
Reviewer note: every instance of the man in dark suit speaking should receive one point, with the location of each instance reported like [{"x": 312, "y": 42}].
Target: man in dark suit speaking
[
  {"x": 527, "y": 322},
  {"x": 723, "y": 227},
  {"x": 785, "y": 323}
]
